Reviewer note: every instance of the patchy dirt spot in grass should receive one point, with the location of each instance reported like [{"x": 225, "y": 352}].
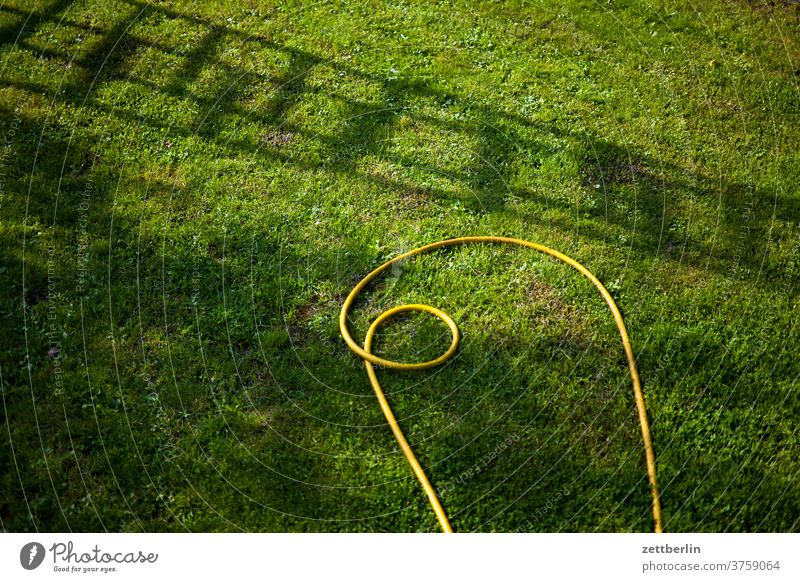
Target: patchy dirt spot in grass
[{"x": 278, "y": 139}]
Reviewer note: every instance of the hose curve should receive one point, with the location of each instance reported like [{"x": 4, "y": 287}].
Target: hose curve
[{"x": 371, "y": 360}]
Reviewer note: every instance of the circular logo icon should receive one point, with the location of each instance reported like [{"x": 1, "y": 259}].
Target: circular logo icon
[{"x": 31, "y": 555}]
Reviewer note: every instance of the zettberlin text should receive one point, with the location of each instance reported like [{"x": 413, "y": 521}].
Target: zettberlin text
[{"x": 668, "y": 549}]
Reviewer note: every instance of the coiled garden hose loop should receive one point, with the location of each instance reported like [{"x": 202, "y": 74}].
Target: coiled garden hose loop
[{"x": 370, "y": 359}]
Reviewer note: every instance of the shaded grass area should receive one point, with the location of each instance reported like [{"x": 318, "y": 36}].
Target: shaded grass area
[{"x": 189, "y": 191}]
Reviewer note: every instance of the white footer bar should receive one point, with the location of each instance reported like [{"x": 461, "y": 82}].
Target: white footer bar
[{"x": 399, "y": 557}]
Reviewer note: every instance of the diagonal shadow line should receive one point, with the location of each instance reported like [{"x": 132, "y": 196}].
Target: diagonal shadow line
[
  {"x": 106, "y": 59},
  {"x": 194, "y": 61},
  {"x": 29, "y": 22}
]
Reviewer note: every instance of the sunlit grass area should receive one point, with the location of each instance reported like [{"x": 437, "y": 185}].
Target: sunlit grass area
[{"x": 188, "y": 191}]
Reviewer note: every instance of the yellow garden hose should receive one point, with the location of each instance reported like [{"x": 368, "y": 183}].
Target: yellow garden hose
[{"x": 370, "y": 359}]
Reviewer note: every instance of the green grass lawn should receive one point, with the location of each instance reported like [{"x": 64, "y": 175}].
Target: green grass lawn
[{"x": 188, "y": 191}]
